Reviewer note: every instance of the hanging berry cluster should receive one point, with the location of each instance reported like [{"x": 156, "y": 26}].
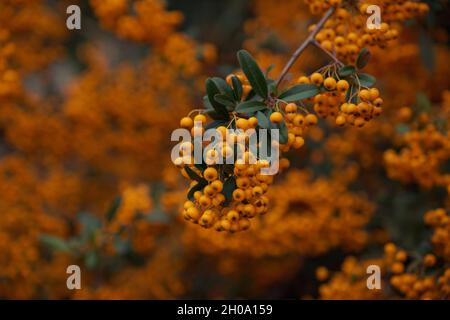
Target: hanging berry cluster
[
  {"x": 345, "y": 34},
  {"x": 348, "y": 96},
  {"x": 226, "y": 196}
]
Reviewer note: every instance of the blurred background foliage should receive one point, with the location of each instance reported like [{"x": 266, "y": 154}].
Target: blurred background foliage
[{"x": 86, "y": 176}]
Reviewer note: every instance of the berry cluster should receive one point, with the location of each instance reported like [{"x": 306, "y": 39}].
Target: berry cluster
[
  {"x": 225, "y": 196},
  {"x": 424, "y": 152},
  {"x": 241, "y": 181},
  {"x": 415, "y": 283},
  {"x": 346, "y": 34},
  {"x": 439, "y": 221},
  {"x": 352, "y": 105}
]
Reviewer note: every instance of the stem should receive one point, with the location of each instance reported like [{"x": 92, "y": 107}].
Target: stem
[
  {"x": 305, "y": 44},
  {"x": 332, "y": 56}
]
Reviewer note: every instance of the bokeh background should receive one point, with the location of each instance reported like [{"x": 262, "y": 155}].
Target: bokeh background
[{"x": 86, "y": 176}]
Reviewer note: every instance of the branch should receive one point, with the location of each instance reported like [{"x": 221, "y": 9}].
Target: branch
[
  {"x": 305, "y": 44},
  {"x": 332, "y": 56}
]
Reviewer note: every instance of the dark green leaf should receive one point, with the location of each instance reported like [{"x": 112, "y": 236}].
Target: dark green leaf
[
  {"x": 250, "y": 106},
  {"x": 198, "y": 187},
  {"x": 350, "y": 92},
  {"x": 250, "y": 95},
  {"x": 253, "y": 73},
  {"x": 228, "y": 169},
  {"x": 423, "y": 104},
  {"x": 366, "y": 80},
  {"x": 299, "y": 92},
  {"x": 269, "y": 68},
  {"x": 223, "y": 87},
  {"x": 213, "y": 114},
  {"x": 112, "y": 211},
  {"x": 191, "y": 173},
  {"x": 211, "y": 91},
  {"x": 201, "y": 166},
  {"x": 363, "y": 58},
  {"x": 237, "y": 88},
  {"x": 215, "y": 124},
  {"x": 90, "y": 224},
  {"x": 206, "y": 104},
  {"x": 226, "y": 101},
  {"x": 272, "y": 86},
  {"x": 228, "y": 187},
  {"x": 91, "y": 259},
  {"x": 263, "y": 121},
  {"x": 346, "y": 71},
  {"x": 283, "y": 132},
  {"x": 54, "y": 243}
]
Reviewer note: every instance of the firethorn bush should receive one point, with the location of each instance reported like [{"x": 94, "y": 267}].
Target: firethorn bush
[{"x": 86, "y": 176}]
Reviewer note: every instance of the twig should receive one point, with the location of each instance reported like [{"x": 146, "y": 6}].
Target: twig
[
  {"x": 332, "y": 56},
  {"x": 304, "y": 45}
]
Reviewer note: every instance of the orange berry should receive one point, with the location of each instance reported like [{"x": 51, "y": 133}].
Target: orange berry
[
  {"x": 311, "y": 119},
  {"x": 217, "y": 186},
  {"x": 186, "y": 123},
  {"x": 303, "y": 80},
  {"x": 276, "y": 117},
  {"x": 238, "y": 195},
  {"x": 429, "y": 260},
  {"x": 193, "y": 213},
  {"x": 317, "y": 78},
  {"x": 210, "y": 174},
  {"x": 342, "y": 85},
  {"x": 329, "y": 83},
  {"x": 340, "y": 121},
  {"x": 242, "y": 123},
  {"x": 201, "y": 118}
]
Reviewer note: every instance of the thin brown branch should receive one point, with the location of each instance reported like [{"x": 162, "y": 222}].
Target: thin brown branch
[
  {"x": 305, "y": 44},
  {"x": 332, "y": 56}
]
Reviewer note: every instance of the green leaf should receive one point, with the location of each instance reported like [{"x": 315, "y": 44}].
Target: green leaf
[
  {"x": 269, "y": 68},
  {"x": 363, "y": 58},
  {"x": 89, "y": 226},
  {"x": 299, "y": 92},
  {"x": 250, "y": 106},
  {"x": 366, "y": 80},
  {"x": 213, "y": 114},
  {"x": 112, "y": 211},
  {"x": 402, "y": 128},
  {"x": 272, "y": 86},
  {"x": 198, "y": 187},
  {"x": 228, "y": 187},
  {"x": 346, "y": 71},
  {"x": 91, "y": 259},
  {"x": 191, "y": 173},
  {"x": 253, "y": 73},
  {"x": 237, "y": 88},
  {"x": 225, "y": 100},
  {"x": 206, "y": 104},
  {"x": 250, "y": 95},
  {"x": 54, "y": 243},
  {"x": 215, "y": 124},
  {"x": 211, "y": 91},
  {"x": 223, "y": 87},
  {"x": 283, "y": 132},
  {"x": 423, "y": 104},
  {"x": 350, "y": 92},
  {"x": 263, "y": 121},
  {"x": 201, "y": 166}
]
